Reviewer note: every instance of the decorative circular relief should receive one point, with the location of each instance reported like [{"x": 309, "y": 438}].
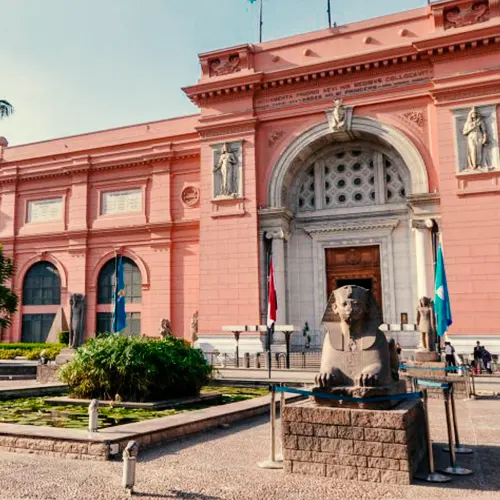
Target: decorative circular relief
[{"x": 190, "y": 196}]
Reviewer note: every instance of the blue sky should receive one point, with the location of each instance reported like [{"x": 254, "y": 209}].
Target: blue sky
[{"x": 74, "y": 66}]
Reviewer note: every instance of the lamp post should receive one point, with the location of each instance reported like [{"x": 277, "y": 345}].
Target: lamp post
[{"x": 237, "y": 339}]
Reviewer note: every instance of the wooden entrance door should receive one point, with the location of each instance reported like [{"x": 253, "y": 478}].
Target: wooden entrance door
[{"x": 354, "y": 266}]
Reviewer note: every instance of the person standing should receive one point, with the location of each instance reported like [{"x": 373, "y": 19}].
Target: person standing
[
  {"x": 449, "y": 352},
  {"x": 478, "y": 356}
]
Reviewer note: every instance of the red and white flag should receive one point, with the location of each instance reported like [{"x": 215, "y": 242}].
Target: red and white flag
[{"x": 272, "y": 303}]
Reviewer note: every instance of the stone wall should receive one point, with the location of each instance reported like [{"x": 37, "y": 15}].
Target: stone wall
[{"x": 365, "y": 445}]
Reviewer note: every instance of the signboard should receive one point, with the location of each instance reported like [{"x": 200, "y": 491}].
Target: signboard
[
  {"x": 385, "y": 82},
  {"x": 45, "y": 210},
  {"x": 118, "y": 202}
]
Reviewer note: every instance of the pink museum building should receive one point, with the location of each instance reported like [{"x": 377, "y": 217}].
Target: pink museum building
[{"x": 351, "y": 149}]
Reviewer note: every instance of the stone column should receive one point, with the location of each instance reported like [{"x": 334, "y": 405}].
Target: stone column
[
  {"x": 279, "y": 238},
  {"x": 423, "y": 253}
]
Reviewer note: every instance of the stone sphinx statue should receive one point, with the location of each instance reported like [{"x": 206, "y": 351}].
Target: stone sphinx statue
[
  {"x": 356, "y": 359},
  {"x": 77, "y": 320}
]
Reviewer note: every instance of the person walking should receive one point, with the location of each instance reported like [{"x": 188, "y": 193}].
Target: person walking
[
  {"x": 486, "y": 359},
  {"x": 449, "y": 352}
]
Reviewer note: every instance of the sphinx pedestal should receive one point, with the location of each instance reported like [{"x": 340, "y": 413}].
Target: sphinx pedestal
[
  {"x": 427, "y": 356},
  {"x": 345, "y": 443}
]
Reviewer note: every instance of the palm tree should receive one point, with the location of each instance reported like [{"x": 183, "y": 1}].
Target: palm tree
[{"x": 6, "y": 108}]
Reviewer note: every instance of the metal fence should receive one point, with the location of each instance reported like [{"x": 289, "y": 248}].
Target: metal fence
[{"x": 305, "y": 361}]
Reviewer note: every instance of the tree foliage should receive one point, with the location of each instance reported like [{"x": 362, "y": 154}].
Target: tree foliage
[
  {"x": 6, "y": 108},
  {"x": 136, "y": 369},
  {"x": 8, "y": 299}
]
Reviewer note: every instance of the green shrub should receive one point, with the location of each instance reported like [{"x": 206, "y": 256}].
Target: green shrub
[
  {"x": 33, "y": 354},
  {"x": 136, "y": 369},
  {"x": 63, "y": 338},
  {"x": 28, "y": 346},
  {"x": 50, "y": 353},
  {"x": 11, "y": 353}
]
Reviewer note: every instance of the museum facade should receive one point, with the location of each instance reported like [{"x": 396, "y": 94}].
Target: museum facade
[{"x": 349, "y": 151}]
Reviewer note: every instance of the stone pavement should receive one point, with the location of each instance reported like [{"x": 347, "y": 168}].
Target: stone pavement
[{"x": 222, "y": 465}]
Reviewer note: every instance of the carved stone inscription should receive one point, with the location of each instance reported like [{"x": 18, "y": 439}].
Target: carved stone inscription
[
  {"x": 117, "y": 202},
  {"x": 44, "y": 210},
  {"x": 387, "y": 82},
  {"x": 227, "y": 170}
]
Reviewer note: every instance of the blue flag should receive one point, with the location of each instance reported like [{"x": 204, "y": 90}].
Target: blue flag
[
  {"x": 441, "y": 296},
  {"x": 119, "y": 316}
]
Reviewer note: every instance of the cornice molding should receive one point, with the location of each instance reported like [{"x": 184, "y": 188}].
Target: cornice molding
[
  {"x": 124, "y": 158},
  {"x": 363, "y": 225},
  {"x": 432, "y": 48}
]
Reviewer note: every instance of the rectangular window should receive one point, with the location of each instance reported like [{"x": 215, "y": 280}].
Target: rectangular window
[
  {"x": 36, "y": 327},
  {"x": 118, "y": 202},
  {"x": 104, "y": 323},
  {"x": 44, "y": 210}
]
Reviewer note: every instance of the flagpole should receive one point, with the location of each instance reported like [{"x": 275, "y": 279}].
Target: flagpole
[
  {"x": 329, "y": 10},
  {"x": 261, "y": 22}
]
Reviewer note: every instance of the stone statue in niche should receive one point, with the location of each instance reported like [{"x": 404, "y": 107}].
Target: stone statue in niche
[
  {"x": 426, "y": 324},
  {"x": 477, "y": 138},
  {"x": 165, "y": 328},
  {"x": 356, "y": 359},
  {"x": 226, "y": 172},
  {"x": 194, "y": 328},
  {"x": 77, "y": 320},
  {"x": 339, "y": 116}
]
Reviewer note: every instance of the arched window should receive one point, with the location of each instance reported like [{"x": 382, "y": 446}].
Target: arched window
[
  {"x": 133, "y": 296},
  {"x": 350, "y": 176},
  {"x": 106, "y": 282},
  {"x": 42, "y": 285}
]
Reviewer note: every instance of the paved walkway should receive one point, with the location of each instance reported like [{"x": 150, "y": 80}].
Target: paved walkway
[{"x": 222, "y": 465}]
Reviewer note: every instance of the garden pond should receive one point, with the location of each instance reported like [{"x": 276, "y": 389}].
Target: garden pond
[{"x": 35, "y": 411}]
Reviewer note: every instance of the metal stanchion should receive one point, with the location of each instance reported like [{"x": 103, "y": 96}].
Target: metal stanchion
[
  {"x": 93, "y": 411},
  {"x": 274, "y": 462},
  {"x": 129, "y": 462},
  {"x": 433, "y": 476},
  {"x": 459, "y": 449},
  {"x": 282, "y": 401},
  {"x": 452, "y": 469},
  {"x": 467, "y": 382},
  {"x": 473, "y": 384}
]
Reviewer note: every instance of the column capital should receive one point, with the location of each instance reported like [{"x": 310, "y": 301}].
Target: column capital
[
  {"x": 423, "y": 224},
  {"x": 278, "y": 234}
]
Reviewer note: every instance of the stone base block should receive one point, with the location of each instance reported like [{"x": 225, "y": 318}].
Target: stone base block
[
  {"x": 65, "y": 356},
  {"x": 363, "y": 445},
  {"x": 427, "y": 356},
  {"x": 461, "y": 388},
  {"x": 47, "y": 373},
  {"x": 418, "y": 369},
  {"x": 361, "y": 392}
]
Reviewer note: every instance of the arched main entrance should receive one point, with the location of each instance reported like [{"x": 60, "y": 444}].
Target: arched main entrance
[{"x": 338, "y": 213}]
